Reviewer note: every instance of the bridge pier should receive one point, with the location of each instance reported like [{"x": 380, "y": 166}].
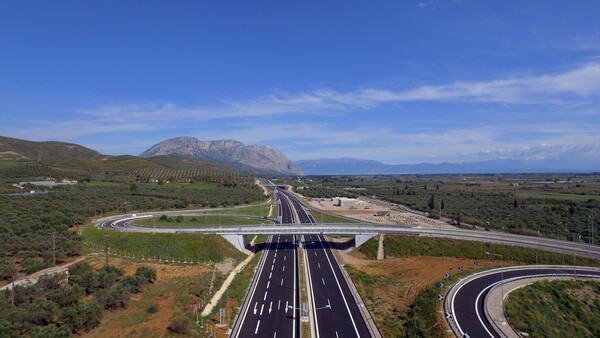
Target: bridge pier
[
  {"x": 360, "y": 239},
  {"x": 238, "y": 241}
]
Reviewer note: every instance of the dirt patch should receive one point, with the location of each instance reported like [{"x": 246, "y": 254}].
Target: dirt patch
[
  {"x": 163, "y": 271},
  {"x": 226, "y": 266}
]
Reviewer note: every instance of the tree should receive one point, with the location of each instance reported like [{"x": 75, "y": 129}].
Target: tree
[
  {"x": 516, "y": 203},
  {"x": 147, "y": 273},
  {"x": 164, "y": 218},
  {"x": 431, "y": 202},
  {"x": 133, "y": 187},
  {"x": 66, "y": 296},
  {"x": 179, "y": 219},
  {"x": 53, "y": 331},
  {"x": 80, "y": 317},
  {"x": 40, "y": 312},
  {"x": 113, "y": 298}
]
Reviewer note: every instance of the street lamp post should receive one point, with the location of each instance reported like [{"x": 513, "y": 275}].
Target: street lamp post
[{"x": 501, "y": 283}]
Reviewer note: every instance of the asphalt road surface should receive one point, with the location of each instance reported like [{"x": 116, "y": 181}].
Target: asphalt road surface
[
  {"x": 272, "y": 308},
  {"x": 469, "y": 300},
  {"x": 337, "y": 313}
]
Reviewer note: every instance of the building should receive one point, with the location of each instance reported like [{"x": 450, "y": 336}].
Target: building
[{"x": 347, "y": 202}]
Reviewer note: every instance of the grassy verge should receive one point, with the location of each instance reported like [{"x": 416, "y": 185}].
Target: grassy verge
[
  {"x": 195, "y": 221},
  {"x": 556, "y": 309},
  {"x": 326, "y": 218},
  {"x": 405, "y": 246},
  {"x": 196, "y": 247},
  {"x": 262, "y": 210}
]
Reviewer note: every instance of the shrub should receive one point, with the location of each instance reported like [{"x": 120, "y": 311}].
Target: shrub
[
  {"x": 132, "y": 284},
  {"x": 164, "y": 218},
  {"x": 87, "y": 280},
  {"x": 147, "y": 273},
  {"x": 80, "y": 317},
  {"x": 113, "y": 298},
  {"x": 180, "y": 325},
  {"x": 153, "y": 308},
  {"x": 40, "y": 312},
  {"x": 51, "y": 282},
  {"x": 80, "y": 268},
  {"x": 53, "y": 331}
]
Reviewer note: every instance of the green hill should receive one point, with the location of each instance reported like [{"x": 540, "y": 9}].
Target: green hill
[{"x": 12, "y": 149}]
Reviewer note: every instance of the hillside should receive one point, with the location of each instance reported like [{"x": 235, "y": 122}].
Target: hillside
[
  {"x": 12, "y": 149},
  {"x": 232, "y": 153}
]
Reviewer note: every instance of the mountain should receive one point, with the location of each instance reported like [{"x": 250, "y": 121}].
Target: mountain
[
  {"x": 12, "y": 149},
  {"x": 232, "y": 153},
  {"x": 353, "y": 166}
]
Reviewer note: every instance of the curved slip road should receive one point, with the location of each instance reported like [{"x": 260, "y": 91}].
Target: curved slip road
[{"x": 468, "y": 300}]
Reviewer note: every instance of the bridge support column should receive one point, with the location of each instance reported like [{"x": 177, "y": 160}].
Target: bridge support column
[
  {"x": 360, "y": 239},
  {"x": 238, "y": 241}
]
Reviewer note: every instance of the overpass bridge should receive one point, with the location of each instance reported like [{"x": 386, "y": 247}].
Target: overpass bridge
[{"x": 237, "y": 234}]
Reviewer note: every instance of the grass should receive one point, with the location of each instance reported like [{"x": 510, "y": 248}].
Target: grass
[
  {"x": 197, "y": 247},
  {"x": 405, "y": 246},
  {"x": 556, "y": 309},
  {"x": 326, "y": 218},
  {"x": 196, "y": 221},
  {"x": 569, "y": 197},
  {"x": 262, "y": 210}
]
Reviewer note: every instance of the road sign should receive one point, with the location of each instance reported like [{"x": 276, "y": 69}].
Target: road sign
[
  {"x": 304, "y": 307},
  {"x": 460, "y": 268},
  {"x": 440, "y": 297},
  {"x": 447, "y": 275},
  {"x": 475, "y": 263},
  {"x": 448, "y": 315},
  {"x": 441, "y": 285}
]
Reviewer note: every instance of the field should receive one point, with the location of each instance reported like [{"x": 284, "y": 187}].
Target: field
[
  {"x": 556, "y": 309},
  {"x": 327, "y": 218},
  {"x": 195, "y": 221}
]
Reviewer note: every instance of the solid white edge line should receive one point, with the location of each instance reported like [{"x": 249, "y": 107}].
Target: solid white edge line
[
  {"x": 252, "y": 295},
  {"x": 339, "y": 286}
]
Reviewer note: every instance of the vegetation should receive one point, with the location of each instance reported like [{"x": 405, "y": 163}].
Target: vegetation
[
  {"x": 190, "y": 247},
  {"x": 328, "y": 218},
  {"x": 194, "y": 221},
  {"x": 405, "y": 246},
  {"x": 556, "y": 309},
  {"x": 61, "y": 308},
  {"x": 551, "y": 205}
]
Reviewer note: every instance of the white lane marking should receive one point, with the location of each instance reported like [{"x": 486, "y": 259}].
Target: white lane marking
[
  {"x": 323, "y": 280},
  {"x": 284, "y": 257},
  {"x": 270, "y": 307},
  {"x": 257, "y": 325},
  {"x": 319, "y": 265},
  {"x": 282, "y": 282},
  {"x": 279, "y": 304},
  {"x": 477, "y": 310},
  {"x": 339, "y": 286},
  {"x": 275, "y": 253},
  {"x": 255, "y": 304},
  {"x": 284, "y": 268},
  {"x": 286, "y": 306},
  {"x": 261, "y": 309},
  {"x": 328, "y": 303},
  {"x": 315, "y": 253},
  {"x": 272, "y": 267},
  {"x": 261, "y": 268},
  {"x": 273, "y": 260},
  {"x": 268, "y": 284},
  {"x": 275, "y": 334},
  {"x": 270, "y": 274},
  {"x": 265, "y": 298},
  {"x": 336, "y": 335}
]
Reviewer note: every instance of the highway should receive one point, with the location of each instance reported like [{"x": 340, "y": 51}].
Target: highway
[
  {"x": 267, "y": 311},
  {"x": 336, "y": 314},
  {"x": 467, "y": 300}
]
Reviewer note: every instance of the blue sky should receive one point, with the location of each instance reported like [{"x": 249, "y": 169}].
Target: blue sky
[{"x": 395, "y": 81}]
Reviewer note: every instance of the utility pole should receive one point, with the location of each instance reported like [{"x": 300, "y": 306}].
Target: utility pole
[
  {"x": 54, "y": 248},
  {"x": 440, "y": 214},
  {"x": 106, "y": 248}
]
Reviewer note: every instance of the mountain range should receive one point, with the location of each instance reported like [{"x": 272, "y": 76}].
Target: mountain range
[
  {"x": 353, "y": 166},
  {"x": 234, "y": 154}
]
